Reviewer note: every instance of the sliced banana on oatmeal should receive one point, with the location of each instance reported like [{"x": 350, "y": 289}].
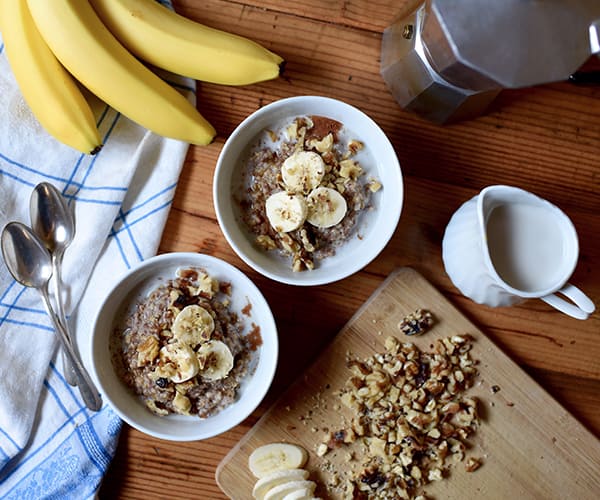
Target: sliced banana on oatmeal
[
  {"x": 216, "y": 360},
  {"x": 286, "y": 211},
  {"x": 193, "y": 325},
  {"x": 275, "y": 478},
  {"x": 276, "y": 456},
  {"x": 303, "y": 171},
  {"x": 179, "y": 361},
  {"x": 326, "y": 207}
]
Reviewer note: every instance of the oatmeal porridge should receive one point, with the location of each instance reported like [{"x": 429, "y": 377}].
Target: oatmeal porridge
[
  {"x": 182, "y": 349},
  {"x": 304, "y": 190}
]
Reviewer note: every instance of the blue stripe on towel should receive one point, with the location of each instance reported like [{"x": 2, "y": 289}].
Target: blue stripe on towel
[
  {"x": 144, "y": 203},
  {"x": 127, "y": 228},
  {"x": 65, "y": 385},
  {"x": 97, "y": 155},
  {"x": 29, "y": 324},
  {"x": 121, "y": 250},
  {"x": 84, "y": 440},
  {"x": 59, "y": 402},
  {"x": 10, "y": 439},
  {"x": 10, "y": 307},
  {"x": 76, "y": 167},
  {"x": 145, "y": 216},
  {"x": 56, "y": 179},
  {"x": 30, "y": 169},
  {"x": 90, "y": 440},
  {"x": 32, "y": 310}
]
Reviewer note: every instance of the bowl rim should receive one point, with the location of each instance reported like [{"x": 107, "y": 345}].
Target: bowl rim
[
  {"x": 266, "y": 324},
  {"x": 370, "y": 252}
]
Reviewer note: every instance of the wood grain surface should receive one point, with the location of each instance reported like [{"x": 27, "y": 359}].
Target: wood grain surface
[
  {"x": 544, "y": 139},
  {"x": 524, "y": 439}
]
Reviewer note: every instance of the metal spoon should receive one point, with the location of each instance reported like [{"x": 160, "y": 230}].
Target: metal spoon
[
  {"x": 30, "y": 263},
  {"x": 52, "y": 220}
]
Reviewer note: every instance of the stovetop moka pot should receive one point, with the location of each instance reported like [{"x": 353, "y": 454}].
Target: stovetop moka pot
[{"x": 448, "y": 59}]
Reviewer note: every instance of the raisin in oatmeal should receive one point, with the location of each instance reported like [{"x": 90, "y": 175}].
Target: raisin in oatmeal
[
  {"x": 182, "y": 349},
  {"x": 304, "y": 190}
]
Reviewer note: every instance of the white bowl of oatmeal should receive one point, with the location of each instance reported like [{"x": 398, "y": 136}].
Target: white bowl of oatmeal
[
  {"x": 184, "y": 347},
  {"x": 308, "y": 190}
]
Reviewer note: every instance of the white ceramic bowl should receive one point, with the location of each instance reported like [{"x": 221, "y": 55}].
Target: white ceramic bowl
[
  {"x": 136, "y": 285},
  {"x": 375, "y": 227}
]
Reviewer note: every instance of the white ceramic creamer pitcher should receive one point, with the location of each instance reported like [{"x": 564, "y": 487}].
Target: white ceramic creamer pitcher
[{"x": 506, "y": 245}]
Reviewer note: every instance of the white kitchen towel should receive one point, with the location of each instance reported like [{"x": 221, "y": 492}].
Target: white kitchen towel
[{"x": 51, "y": 445}]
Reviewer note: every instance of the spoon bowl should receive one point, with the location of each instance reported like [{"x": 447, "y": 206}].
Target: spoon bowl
[
  {"x": 51, "y": 218},
  {"x": 30, "y": 264},
  {"x": 25, "y": 256}
]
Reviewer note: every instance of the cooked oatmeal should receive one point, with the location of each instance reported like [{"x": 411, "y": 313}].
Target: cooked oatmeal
[
  {"x": 304, "y": 190},
  {"x": 182, "y": 349}
]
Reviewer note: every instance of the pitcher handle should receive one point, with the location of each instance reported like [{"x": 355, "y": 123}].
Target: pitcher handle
[{"x": 581, "y": 307}]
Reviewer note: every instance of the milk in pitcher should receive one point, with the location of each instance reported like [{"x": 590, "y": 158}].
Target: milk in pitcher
[{"x": 525, "y": 246}]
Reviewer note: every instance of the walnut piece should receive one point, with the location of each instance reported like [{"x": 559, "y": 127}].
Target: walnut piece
[
  {"x": 416, "y": 323},
  {"x": 147, "y": 351}
]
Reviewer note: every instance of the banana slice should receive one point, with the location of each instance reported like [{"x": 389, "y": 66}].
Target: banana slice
[
  {"x": 281, "y": 491},
  {"x": 215, "y": 359},
  {"x": 275, "y": 478},
  {"x": 180, "y": 360},
  {"x": 193, "y": 325},
  {"x": 286, "y": 211},
  {"x": 326, "y": 207},
  {"x": 303, "y": 171},
  {"x": 301, "y": 494},
  {"x": 276, "y": 456}
]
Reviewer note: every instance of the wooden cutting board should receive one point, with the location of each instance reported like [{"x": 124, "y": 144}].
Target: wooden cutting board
[{"x": 529, "y": 445}]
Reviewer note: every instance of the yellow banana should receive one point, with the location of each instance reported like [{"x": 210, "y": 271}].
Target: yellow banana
[
  {"x": 172, "y": 42},
  {"x": 95, "y": 57},
  {"x": 49, "y": 90}
]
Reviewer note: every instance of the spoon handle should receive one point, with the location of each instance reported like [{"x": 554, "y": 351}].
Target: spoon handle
[
  {"x": 88, "y": 391},
  {"x": 68, "y": 371}
]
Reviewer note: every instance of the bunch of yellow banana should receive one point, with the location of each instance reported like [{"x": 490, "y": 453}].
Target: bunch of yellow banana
[{"x": 52, "y": 44}]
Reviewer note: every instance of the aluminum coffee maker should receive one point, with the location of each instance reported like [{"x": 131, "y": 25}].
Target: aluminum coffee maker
[{"x": 448, "y": 59}]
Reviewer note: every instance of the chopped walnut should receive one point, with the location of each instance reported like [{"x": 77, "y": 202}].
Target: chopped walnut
[
  {"x": 322, "y": 449},
  {"x": 147, "y": 351},
  {"x": 205, "y": 286},
  {"x": 349, "y": 169},
  {"x": 355, "y": 146},
  {"x": 472, "y": 464},
  {"x": 374, "y": 185},
  {"x": 324, "y": 145},
  {"x": 416, "y": 323},
  {"x": 266, "y": 242},
  {"x": 155, "y": 409},
  {"x": 306, "y": 242},
  {"x": 410, "y": 414}
]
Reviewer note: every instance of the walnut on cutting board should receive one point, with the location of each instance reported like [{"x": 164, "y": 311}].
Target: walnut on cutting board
[{"x": 410, "y": 418}]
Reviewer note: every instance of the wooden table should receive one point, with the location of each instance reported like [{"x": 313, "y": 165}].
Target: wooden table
[{"x": 544, "y": 139}]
